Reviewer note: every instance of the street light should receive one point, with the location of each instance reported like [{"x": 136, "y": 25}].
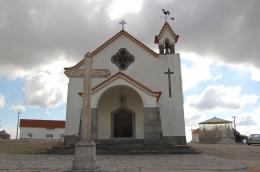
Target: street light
[
  {"x": 17, "y": 124},
  {"x": 234, "y": 122}
]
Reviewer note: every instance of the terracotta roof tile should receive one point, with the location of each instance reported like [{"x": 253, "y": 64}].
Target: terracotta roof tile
[{"x": 50, "y": 124}]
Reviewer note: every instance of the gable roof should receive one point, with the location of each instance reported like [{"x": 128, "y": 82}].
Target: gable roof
[
  {"x": 165, "y": 27},
  {"x": 50, "y": 124},
  {"x": 128, "y": 79},
  {"x": 109, "y": 41},
  {"x": 215, "y": 120}
]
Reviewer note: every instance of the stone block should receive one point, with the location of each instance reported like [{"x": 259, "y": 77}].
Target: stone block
[
  {"x": 70, "y": 140},
  {"x": 85, "y": 156},
  {"x": 174, "y": 140}
]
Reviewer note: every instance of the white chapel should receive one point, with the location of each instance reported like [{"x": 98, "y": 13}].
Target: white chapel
[{"x": 140, "y": 98}]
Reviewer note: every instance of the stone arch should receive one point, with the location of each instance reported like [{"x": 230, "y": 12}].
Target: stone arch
[
  {"x": 109, "y": 104},
  {"x": 147, "y": 101}
]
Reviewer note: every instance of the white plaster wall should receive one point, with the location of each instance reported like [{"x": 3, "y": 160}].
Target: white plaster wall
[
  {"x": 143, "y": 69},
  {"x": 195, "y": 138},
  {"x": 171, "y": 109},
  {"x": 109, "y": 102},
  {"x": 40, "y": 133},
  {"x": 166, "y": 35},
  {"x": 74, "y": 105}
]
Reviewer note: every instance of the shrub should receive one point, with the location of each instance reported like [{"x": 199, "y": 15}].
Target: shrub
[{"x": 239, "y": 138}]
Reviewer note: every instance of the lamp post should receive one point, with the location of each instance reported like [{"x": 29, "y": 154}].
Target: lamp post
[
  {"x": 17, "y": 124},
  {"x": 234, "y": 122}
]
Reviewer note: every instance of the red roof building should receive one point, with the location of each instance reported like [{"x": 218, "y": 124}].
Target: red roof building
[
  {"x": 50, "y": 124},
  {"x": 4, "y": 135},
  {"x": 41, "y": 129}
]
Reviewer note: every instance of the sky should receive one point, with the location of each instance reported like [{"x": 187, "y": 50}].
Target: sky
[{"x": 218, "y": 44}]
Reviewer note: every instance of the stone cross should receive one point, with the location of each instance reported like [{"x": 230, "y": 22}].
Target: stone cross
[
  {"x": 123, "y": 22},
  {"x": 86, "y": 111},
  {"x": 87, "y": 73},
  {"x": 85, "y": 149},
  {"x": 169, "y": 80}
]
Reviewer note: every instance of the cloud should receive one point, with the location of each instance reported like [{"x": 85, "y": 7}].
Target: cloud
[
  {"x": 18, "y": 108},
  {"x": 119, "y": 8},
  {"x": 248, "y": 123},
  {"x": 246, "y": 120},
  {"x": 253, "y": 71},
  {"x": 47, "y": 87},
  {"x": 2, "y": 101},
  {"x": 34, "y": 32},
  {"x": 199, "y": 70},
  {"x": 193, "y": 120},
  {"x": 220, "y": 97}
]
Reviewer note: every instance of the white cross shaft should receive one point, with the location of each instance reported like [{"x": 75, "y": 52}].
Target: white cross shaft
[{"x": 123, "y": 22}]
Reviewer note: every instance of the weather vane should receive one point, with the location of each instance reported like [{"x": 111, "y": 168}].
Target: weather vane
[
  {"x": 123, "y": 22},
  {"x": 167, "y": 15}
]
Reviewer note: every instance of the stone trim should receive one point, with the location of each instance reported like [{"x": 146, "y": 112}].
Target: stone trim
[
  {"x": 152, "y": 123},
  {"x": 174, "y": 140},
  {"x": 131, "y": 81}
]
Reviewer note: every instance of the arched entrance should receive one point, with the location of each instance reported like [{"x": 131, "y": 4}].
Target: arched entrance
[
  {"x": 123, "y": 123},
  {"x": 120, "y": 114}
]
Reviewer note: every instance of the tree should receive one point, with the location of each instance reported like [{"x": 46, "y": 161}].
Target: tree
[{"x": 239, "y": 138}]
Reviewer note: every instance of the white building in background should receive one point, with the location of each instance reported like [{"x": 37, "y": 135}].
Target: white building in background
[
  {"x": 141, "y": 99},
  {"x": 41, "y": 129}
]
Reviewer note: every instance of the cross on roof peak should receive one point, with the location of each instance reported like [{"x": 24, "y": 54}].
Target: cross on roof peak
[{"x": 123, "y": 22}]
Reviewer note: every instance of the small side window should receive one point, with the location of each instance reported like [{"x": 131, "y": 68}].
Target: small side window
[
  {"x": 49, "y": 135},
  {"x": 30, "y": 135}
]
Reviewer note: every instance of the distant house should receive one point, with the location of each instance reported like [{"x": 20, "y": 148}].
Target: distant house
[
  {"x": 4, "y": 135},
  {"x": 214, "y": 130},
  {"x": 41, "y": 129},
  {"x": 195, "y": 135}
]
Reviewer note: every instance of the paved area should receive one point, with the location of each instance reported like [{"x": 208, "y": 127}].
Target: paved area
[{"x": 120, "y": 163}]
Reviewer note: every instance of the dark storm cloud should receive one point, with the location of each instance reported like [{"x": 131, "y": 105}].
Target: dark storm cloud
[
  {"x": 34, "y": 32},
  {"x": 227, "y": 29}
]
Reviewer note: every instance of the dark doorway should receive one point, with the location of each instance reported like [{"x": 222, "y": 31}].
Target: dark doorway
[{"x": 123, "y": 124}]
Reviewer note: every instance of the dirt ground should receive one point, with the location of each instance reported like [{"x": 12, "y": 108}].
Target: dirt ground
[
  {"x": 25, "y": 146},
  {"x": 244, "y": 153}
]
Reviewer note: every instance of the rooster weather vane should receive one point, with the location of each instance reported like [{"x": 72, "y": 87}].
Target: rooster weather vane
[{"x": 167, "y": 15}]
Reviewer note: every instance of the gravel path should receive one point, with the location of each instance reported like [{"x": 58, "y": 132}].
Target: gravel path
[{"x": 118, "y": 163}]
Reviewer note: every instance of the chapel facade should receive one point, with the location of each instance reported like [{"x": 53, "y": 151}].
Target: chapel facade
[{"x": 141, "y": 98}]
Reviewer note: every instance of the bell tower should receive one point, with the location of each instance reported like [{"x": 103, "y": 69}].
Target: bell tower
[{"x": 166, "y": 40}]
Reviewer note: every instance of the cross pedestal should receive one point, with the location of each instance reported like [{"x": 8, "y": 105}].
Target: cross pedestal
[{"x": 85, "y": 157}]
